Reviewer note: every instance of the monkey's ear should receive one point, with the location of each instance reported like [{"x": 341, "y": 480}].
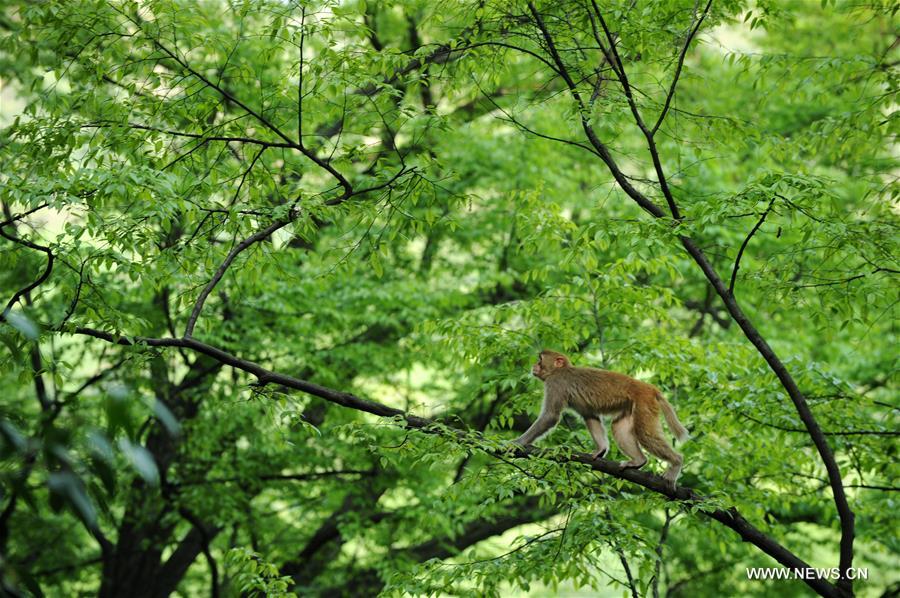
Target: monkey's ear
[{"x": 559, "y": 362}]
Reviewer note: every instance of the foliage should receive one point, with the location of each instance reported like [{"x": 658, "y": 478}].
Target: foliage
[{"x": 404, "y": 201}]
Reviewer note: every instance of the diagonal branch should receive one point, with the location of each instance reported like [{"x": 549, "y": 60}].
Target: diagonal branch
[
  {"x": 298, "y": 145},
  {"x": 222, "y": 91},
  {"x": 737, "y": 260},
  {"x": 728, "y": 517},
  {"x": 13, "y": 219},
  {"x": 605, "y": 155},
  {"x": 220, "y": 272},
  {"x": 680, "y": 64},
  {"x": 265, "y": 233},
  {"x": 639, "y": 121}
]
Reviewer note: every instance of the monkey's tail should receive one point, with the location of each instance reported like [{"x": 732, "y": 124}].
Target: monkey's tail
[{"x": 675, "y": 426}]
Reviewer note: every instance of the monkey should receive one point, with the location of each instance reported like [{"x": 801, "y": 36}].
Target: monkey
[{"x": 633, "y": 405}]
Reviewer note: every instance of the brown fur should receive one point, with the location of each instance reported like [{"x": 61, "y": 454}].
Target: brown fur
[{"x": 633, "y": 405}]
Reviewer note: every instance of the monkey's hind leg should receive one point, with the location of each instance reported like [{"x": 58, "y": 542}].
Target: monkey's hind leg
[
  {"x": 623, "y": 432},
  {"x": 650, "y": 436},
  {"x": 598, "y": 433}
]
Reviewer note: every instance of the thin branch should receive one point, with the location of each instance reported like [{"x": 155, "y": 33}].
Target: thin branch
[
  {"x": 622, "y": 559},
  {"x": 17, "y": 217},
  {"x": 71, "y": 396},
  {"x": 628, "y": 575},
  {"x": 871, "y": 487},
  {"x": 74, "y": 303},
  {"x": 277, "y": 477},
  {"x": 663, "y": 536},
  {"x": 205, "y": 540},
  {"x": 220, "y": 272},
  {"x": 223, "y": 92},
  {"x": 737, "y": 260},
  {"x": 802, "y": 431},
  {"x": 681, "y": 56},
  {"x": 40, "y": 279},
  {"x": 603, "y": 151},
  {"x": 298, "y": 145},
  {"x": 616, "y": 59},
  {"x": 524, "y": 127},
  {"x": 200, "y": 136},
  {"x": 300, "y": 75}
]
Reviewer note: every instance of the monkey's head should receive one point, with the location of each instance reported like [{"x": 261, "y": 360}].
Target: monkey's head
[{"x": 548, "y": 362}]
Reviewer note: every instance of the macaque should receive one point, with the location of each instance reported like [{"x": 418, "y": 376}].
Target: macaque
[{"x": 633, "y": 405}]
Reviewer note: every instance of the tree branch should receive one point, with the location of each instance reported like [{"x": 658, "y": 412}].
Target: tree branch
[
  {"x": 737, "y": 260},
  {"x": 684, "y": 49},
  {"x": 200, "y": 136},
  {"x": 220, "y": 272},
  {"x": 40, "y": 279},
  {"x": 639, "y": 121},
  {"x": 663, "y": 536},
  {"x": 13, "y": 219}
]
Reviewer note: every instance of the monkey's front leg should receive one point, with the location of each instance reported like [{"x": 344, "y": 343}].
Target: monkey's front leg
[
  {"x": 543, "y": 424},
  {"x": 598, "y": 433}
]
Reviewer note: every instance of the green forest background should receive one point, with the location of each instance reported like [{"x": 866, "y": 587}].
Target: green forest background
[{"x": 273, "y": 274}]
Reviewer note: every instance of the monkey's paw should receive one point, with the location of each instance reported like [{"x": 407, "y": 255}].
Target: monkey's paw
[{"x": 599, "y": 454}]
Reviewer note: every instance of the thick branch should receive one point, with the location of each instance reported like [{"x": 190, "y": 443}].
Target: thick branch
[{"x": 845, "y": 514}]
